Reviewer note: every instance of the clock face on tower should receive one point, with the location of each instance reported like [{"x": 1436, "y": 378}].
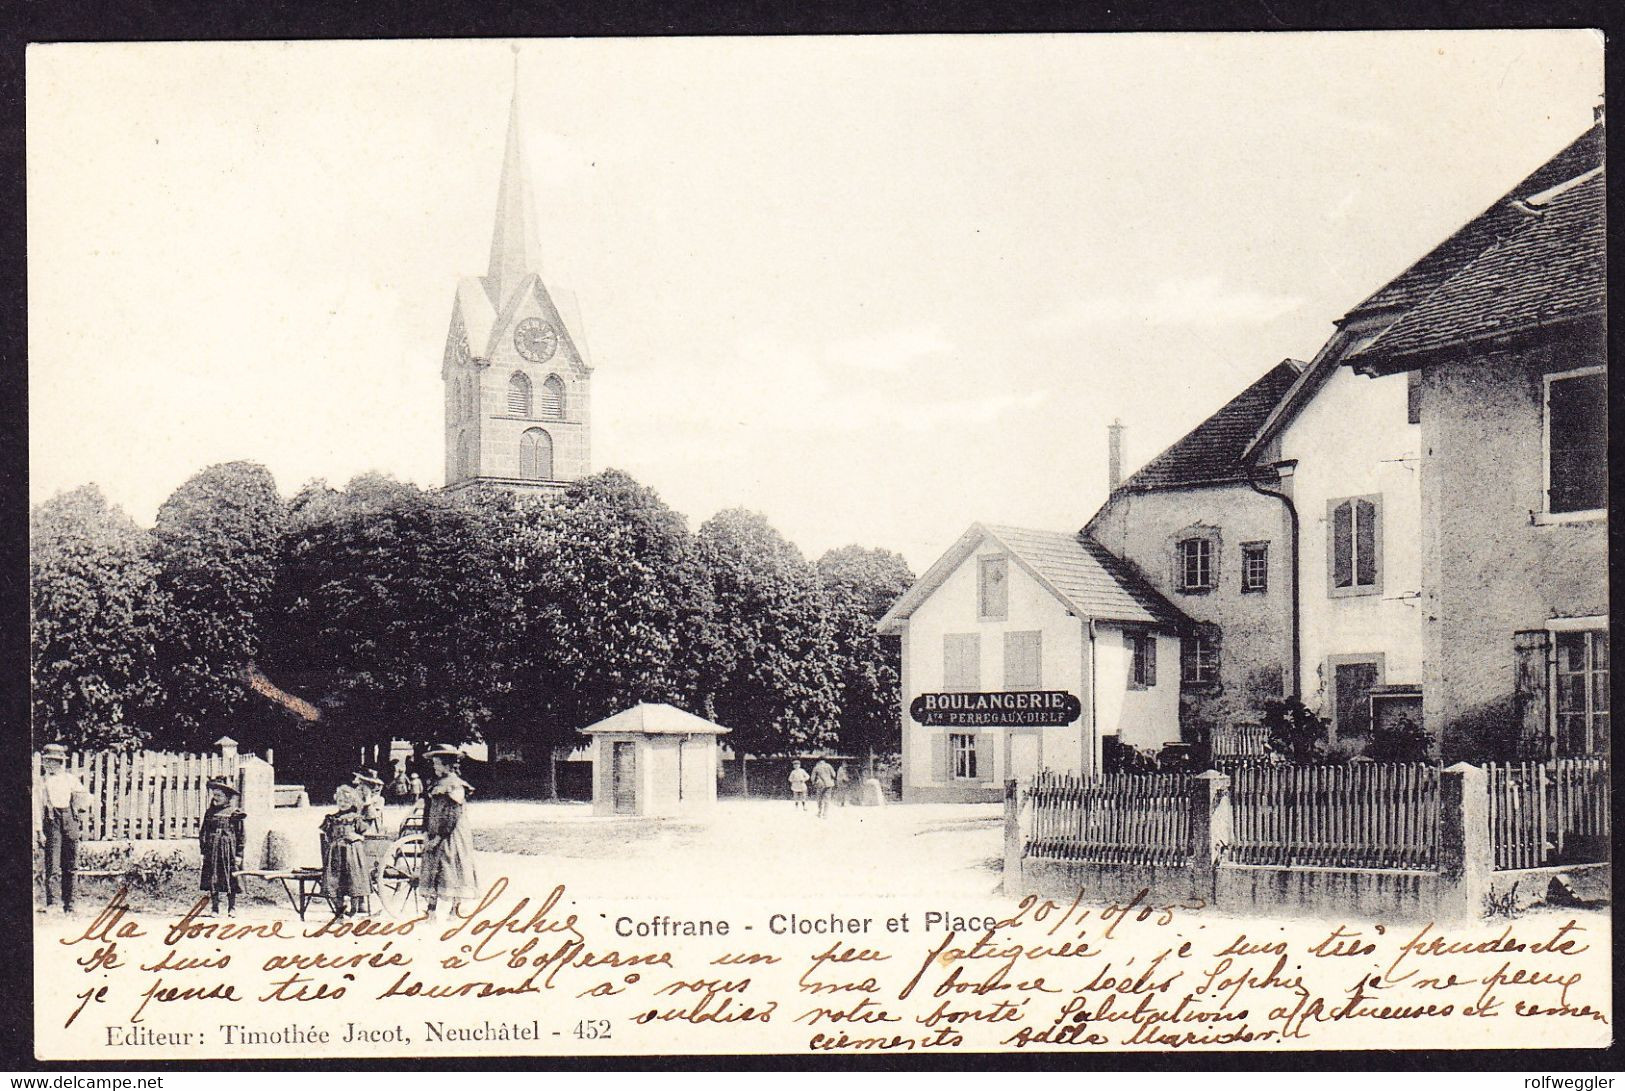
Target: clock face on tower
[{"x": 536, "y": 340}]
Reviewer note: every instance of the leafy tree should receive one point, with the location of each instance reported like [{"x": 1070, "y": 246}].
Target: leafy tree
[
  {"x": 860, "y": 585},
  {"x": 777, "y": 690},
  {"x": 215, "y": 546},
  {"x": 94, "y": 596},
  {"x": 604, "y": 604},
  {"x": 382, "y": 612}
]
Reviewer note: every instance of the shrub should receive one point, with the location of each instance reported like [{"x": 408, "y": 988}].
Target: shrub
[
  {"x": 1295, "y": 733},
  {"x": 1402, "y": 740}
]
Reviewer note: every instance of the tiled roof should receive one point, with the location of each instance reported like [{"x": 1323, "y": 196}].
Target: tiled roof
[
  {"x": 655, "y": 719},
  {"x": 1093, "y": 581},
  {"x": 1088, "y": 579},
  {"x": 1444, "y": 260},
  {"x": 1210, "y": 453},
  {"x": 1551, "y": 267}
]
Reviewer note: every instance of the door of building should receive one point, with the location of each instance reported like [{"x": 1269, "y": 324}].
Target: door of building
[{"x": 623, "y": 774}]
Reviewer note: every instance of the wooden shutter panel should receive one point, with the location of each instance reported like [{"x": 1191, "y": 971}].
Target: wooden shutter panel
[
  {"x": 1530, "y": 651},
  {"x": 984, "y": 757},
  {"x": 1150, "y": 659},
  {"x": 1343, "y": 545},
  {"x": 939, "y": 757},
  {"x": 1365, "y": 542}
]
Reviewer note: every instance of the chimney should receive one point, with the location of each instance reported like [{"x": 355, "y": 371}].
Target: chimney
[{"x": 1114, "y": 458}]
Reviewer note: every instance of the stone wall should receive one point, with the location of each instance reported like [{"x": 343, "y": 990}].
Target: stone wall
[{"x": 1492, "y": 565}]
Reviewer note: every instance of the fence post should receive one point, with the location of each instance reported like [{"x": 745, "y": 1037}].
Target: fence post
[
  {"x": 1013, "y": 878},
  {"x": 1211, "y": 823},
  {"x": 1466, "y": 850},
  {"x": 259, "y": 789}
]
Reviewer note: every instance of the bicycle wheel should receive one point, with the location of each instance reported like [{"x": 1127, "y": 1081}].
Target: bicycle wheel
[{"x": 398, "y": 878}]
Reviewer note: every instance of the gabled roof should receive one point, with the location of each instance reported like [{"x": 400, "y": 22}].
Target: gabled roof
[
  {"x": 1551, "y": 268},
  {"x": 1364, "y": 327},
  {"x": 1211, "y": 453},
  {"x": 655, "y": 719},
  {"x": 1077, "y": 570},
  {"x": 1478, "y": 234}
]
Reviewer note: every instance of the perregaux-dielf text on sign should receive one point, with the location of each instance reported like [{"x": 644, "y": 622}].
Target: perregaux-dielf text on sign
[{"x": 1034, "y": 708}]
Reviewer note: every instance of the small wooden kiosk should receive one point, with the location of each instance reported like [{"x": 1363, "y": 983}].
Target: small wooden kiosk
[{"x": 654, "y": 760}]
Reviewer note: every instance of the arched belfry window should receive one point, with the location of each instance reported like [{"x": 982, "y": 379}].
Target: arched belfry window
[
  {"x": 536, "y": 455},
  {"x": 553, "y": 398},
  {"x": 519, "y": 394}
]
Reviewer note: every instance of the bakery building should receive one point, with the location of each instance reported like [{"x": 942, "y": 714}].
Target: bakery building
[{"x": 1010, "y": 633}]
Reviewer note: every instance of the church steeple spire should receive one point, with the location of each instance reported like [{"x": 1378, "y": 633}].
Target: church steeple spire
[{"x": 515, "y": 252}]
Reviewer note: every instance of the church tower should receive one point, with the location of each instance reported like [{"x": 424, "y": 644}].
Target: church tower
[{"x": 518, "y": 411}]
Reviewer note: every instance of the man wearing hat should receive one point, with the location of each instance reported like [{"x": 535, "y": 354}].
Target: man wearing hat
[{"x": 64, "y": 805}]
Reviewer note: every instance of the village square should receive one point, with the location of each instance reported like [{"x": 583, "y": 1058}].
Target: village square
[{"x": 1340, "y": 647}]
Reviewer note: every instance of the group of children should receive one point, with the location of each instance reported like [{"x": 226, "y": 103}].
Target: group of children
[{"x": 447, "y": 864}]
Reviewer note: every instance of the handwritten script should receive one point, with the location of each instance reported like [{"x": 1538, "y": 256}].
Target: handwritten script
[{"x": 541, "y": 972}]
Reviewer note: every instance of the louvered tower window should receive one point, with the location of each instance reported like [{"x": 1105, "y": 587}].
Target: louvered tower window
[
  {"x": 519, "y": 395},
  {"x": 553, "y": 398}
]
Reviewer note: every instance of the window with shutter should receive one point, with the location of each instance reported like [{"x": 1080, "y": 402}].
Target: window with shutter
[
  {"x": 939, "y": 758},
  {"x": 993, "y": 588},
  {"x": 1531, "y": 690},
  {"x": 1354, "y": 545},
  {"x": 1199, "y": 660},
  {"x": 1413, "y": 396},
  {"x": 553, "y": 398},
  {"x": 1577, "y": 442},
  {"x": 1142, "y": 665},
  {"x": 519, "y": 394},
  {"x": 1196, "y": 564},
  {"x": 536, "y": 455},
  {"x": 1582, "y": 693},
  {"x": 1022, "y": 654},
  {"x": 961, "y": 662},
  {"x": 1352, "y": 682},
  {"x": 962, "y": 754},
  {"x": 1255, "y": 566}
]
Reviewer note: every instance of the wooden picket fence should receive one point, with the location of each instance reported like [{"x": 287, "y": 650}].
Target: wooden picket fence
[
  {"x": 1365, "y": 815},
  {"x": 144, "y": 794},
  {"x": 1232, "y": 745},
  {"x": 1129, "y": 818},
  {"x": 1548, "y": 813}
]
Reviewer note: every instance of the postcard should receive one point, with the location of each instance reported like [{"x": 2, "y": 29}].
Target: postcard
[{"x": 821, "y": 546}]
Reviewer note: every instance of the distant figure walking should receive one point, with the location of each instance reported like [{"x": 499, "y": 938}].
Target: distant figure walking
[
  {"x": 448, "y": 851},
  {"x": 843, "y": 784},
  {"x": 823, "y": 778},
  {"x": 220, "y": 841},
  {"x": 798, "y": 785},
  {"x": 64, "y": 806}
]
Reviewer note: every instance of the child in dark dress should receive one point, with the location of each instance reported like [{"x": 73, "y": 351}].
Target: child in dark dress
[
  {"x": 344, "y": 872},
  {"x": 221, "y": 842}
]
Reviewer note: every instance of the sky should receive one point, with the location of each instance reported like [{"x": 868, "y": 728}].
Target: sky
[{"x": 876, "y": 289}]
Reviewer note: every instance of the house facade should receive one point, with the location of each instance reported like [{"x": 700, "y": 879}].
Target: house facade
[
  {"x": 1192, "y": 526},
  {"x": 1509, "y": 360},
  {"x": 1012, "y": 611}
]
